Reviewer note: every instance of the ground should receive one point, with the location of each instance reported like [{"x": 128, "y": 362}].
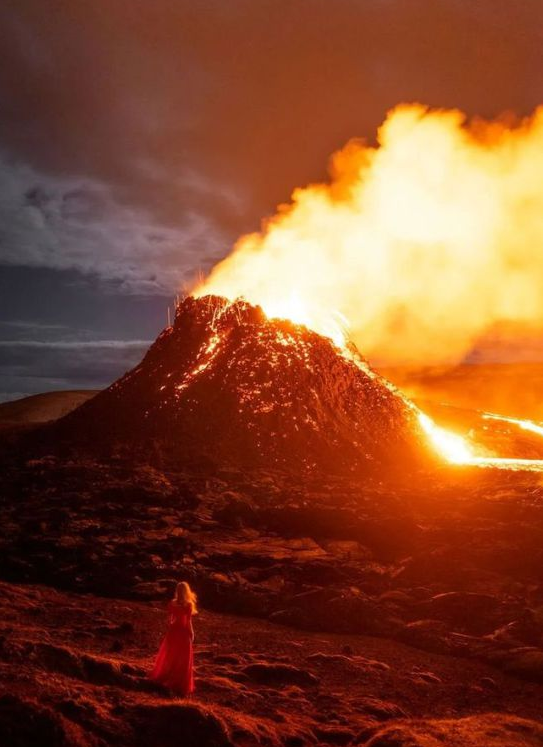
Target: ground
[
  {"x": 76, "y": 665},
  {"x": 294, "y": 577},
  {"x": 382, "y": 610}
]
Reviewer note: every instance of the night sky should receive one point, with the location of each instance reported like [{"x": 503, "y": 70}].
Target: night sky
[{"x": 138, "y": 139}]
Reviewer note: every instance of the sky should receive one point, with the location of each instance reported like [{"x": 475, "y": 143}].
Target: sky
[{"x": 139, "y": 139}]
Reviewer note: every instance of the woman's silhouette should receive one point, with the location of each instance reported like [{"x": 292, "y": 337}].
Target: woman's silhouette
[{"x": 173, "y": 665}]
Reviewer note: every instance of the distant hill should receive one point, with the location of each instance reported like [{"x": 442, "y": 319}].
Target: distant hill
[{"x": 42, "y": 408}]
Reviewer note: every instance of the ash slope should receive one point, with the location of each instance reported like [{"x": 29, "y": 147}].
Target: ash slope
[
  {"x": 230, "y": 385},
  {"x": 42, "y": 408}
]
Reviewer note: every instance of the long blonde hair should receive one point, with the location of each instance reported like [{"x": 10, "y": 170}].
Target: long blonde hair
[{"x": 185, "y": 595}]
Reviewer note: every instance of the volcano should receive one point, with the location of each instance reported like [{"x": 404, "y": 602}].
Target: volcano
[{"x": 230, "y": 385}]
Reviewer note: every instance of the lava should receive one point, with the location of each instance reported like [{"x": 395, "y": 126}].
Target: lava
[
  {"x": 452, "y": 446},
  {"x": 456, "y": 450},
  {"x": 525, "y": 425}
]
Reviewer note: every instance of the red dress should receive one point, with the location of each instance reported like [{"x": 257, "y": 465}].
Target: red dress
[{"x": 173, "y": 665}]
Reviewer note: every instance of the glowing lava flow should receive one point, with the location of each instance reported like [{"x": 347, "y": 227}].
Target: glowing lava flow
[
  {"x": 456, "y": 450},
  {"x": 452, "y": 447},
  {"x": 525, "y": 425}
]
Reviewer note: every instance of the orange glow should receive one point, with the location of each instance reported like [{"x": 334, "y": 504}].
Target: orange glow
[
  {"x": 421, "y": 243},
  {"x": 525, "y": 425},
  {"x": 412, "y": 250},
  {"x": 456, "y": 450},
  {"x": 450, "y": 445}
]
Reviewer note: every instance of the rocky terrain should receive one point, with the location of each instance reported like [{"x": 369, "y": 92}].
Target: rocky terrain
[
  {"x": 74, "y": 673},
  {"x": 445, "y": 576},
  {"x": 361, "y": 594}
]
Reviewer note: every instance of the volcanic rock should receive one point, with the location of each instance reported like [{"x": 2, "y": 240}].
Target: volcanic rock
[
  {"x": 225, "y": 384},
  {"x": 24, "y": 722},
  {"x": 491, "y": 730},
  {"x": 465, "y": 611},
  {"x": 279, "y": 674},
  {"x": 178, "y": 723}
]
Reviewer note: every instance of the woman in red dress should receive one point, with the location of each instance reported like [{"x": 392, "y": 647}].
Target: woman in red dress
[{"x": 173, "y": 665}]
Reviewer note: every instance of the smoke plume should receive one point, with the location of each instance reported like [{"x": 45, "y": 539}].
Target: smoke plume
[{"x": 421, "y": 243}]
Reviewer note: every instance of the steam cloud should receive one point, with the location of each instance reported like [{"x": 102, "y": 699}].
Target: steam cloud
[{"x": 423, "y": 242}]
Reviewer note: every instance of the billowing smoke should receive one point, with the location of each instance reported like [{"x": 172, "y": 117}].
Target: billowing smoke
[{"x": 422, "y": 243}]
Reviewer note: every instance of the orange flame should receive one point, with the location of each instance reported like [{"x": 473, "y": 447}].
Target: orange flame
[{"x": 421, "y": 244}]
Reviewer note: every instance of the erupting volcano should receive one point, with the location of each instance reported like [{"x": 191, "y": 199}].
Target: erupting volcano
[
  {"x": 227, "y": 383},
  {"x": 407, "y": 252},
  {"x": 302, "y": 505}
]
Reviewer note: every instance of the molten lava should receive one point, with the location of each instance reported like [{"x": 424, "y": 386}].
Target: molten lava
[
  {"x": 450, "y": 445},
  {"x": 525, "y": 425},
  {"x": 455, "y": 449}
]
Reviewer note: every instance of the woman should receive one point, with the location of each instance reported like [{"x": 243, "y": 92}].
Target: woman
[{"x": 173, "y": 666}]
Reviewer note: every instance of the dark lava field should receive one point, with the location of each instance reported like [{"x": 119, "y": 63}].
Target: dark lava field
[
  {"x": 352, "y": 591},
  {"x": 333, "y": 612}
]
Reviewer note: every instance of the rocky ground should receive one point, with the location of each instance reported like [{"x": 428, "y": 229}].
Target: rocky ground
[
  {"x": 74, "y": 673},
  {"x": 445, "y": 575}
]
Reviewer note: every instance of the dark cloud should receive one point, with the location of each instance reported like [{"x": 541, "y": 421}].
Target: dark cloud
[
  {"x": 53, "y": 327},
  {"x": 250, "y": 96},
  {"x": 35, "y": 300},
  {"x": 76, "y": 223},
  {"x": 139, "y": 138},
  {"x": 34, "y": 366}
]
